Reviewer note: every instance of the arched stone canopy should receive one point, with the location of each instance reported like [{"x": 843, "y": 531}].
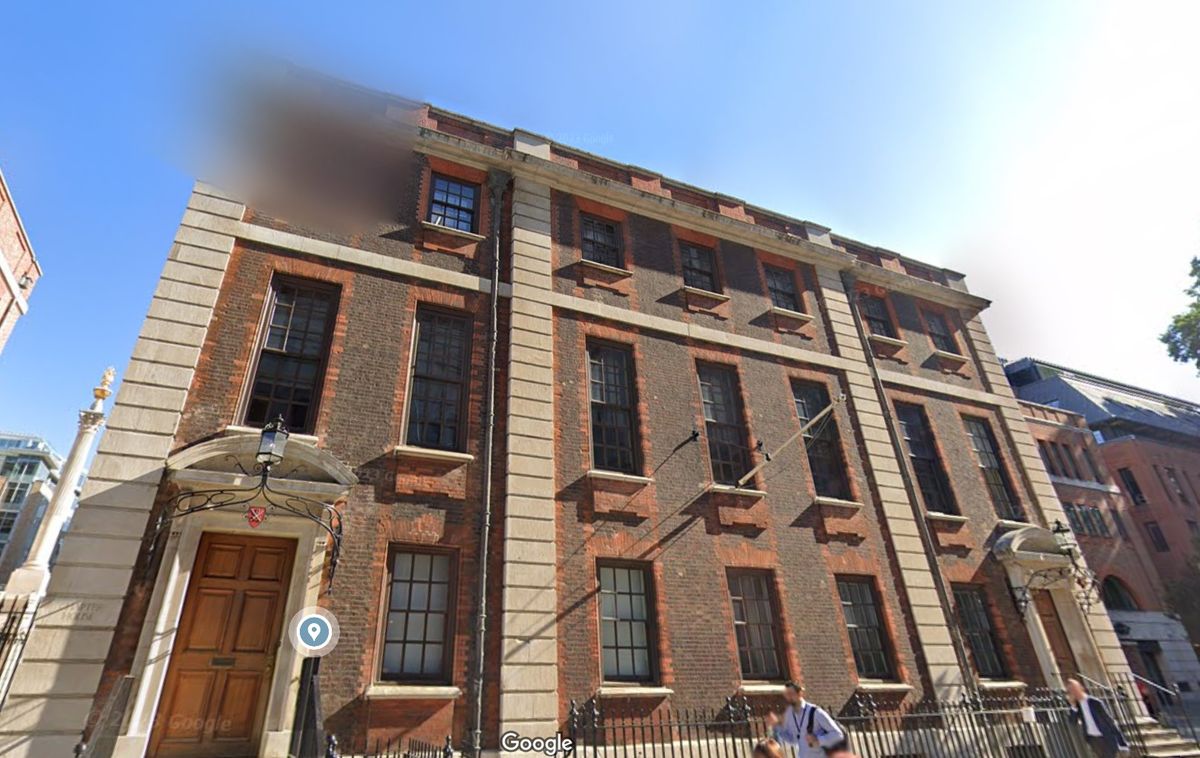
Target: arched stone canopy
[
  {"x": 1028, "y": 542},
  {"x": 230, "y": 461}
]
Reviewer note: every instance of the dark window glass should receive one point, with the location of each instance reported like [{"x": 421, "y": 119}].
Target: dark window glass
[
  {"x": 1096, "y": 517},
  {"x": 939, "y": 332},
  {"x": 987, "y": 452},
  {"x": 699, "y": 270},
  {"x": 821, "y": 442},
  {"x": 8, "y": 520},
  {"x": 600, "y": 240},
  {"x": 1157, "y": 538},
  {"x": 612, "y": 401},
  {"x": 726, "y": 433},
  {"x": 976, "y": 624},
  {"x": 416, "y": 641},
  {"x": 1066, "y": 461},
  {"x": 1131, "y": 485},
  {"x": 1048, "y": 458},
  {"x": 1090, "y": 460},
  {"x": 15, "y": 493},
  {"x": 625, "y": 627},
  {"x": 754, "y": 624},
  {"x": 1073, "y": 518},
  {"x": 1173, "y": 479},
  {"x": 1163, "y": 482},
  {"x": 860, "y": 608},
  {"x": 781, "y": 286},
  {"x": 1194, "y": 528},
  {"x": 287, "y": 378},
  {"x": 453, "y": 203},
  {"x": 927, "y": 464},
  {"x": 875, "y": 313},
  {"x": 1120, "y": 522},
  {"x": 1117, "y": 596},
  {"x": 439, "y": 379}
]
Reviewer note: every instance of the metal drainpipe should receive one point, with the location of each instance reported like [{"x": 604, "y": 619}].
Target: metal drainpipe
[
  {"x": 497, "y": 183},
  {"x": 927, "y": 540}
]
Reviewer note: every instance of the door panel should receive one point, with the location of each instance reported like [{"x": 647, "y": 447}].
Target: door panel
[
  {"x": 219, "y": 676},
  {"x": 1060, "y": 645}
]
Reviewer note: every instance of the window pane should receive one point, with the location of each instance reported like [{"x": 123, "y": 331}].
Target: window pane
[
  {"x": 416, "y": 631},
  {"x": 698, "y": 268},
  {"x": 871, "y": 656},
  {"x": 781, "y": 286},
  {"x": 987, "y": 453},
  {"x": 289, "y": 363},
  {"x": 613, "y": 411},
  {"x": 927, "y": 464},
  {"x": 600, "y": 240},
  {"x": 727, "y": 447},
  {"x": 939, "y": 332},
  {"x": 452, "y": 204},
  {"x": 624, "y": 629},
  {"x": 875, "y": 313},
  {"x": 976, "y": 625},
  {"x": 754, "y": 624},
  {"x": 822, "y": 443},
  {"x": 438, "y": 381}
]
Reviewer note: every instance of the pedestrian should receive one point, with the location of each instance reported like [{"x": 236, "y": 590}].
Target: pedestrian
[
  {"x": 1101, "y": 732},
  {"x": 810, "y": 728}
]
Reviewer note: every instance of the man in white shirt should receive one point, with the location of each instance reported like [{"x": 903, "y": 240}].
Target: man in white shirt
[
  {"x": 810, "y": 728},
  {"x": 1101, "y": 732}
]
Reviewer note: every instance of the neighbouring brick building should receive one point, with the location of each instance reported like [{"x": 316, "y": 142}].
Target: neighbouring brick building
[
  {"x": 1105, "y": 524},
  {"x": 19, "y": 268},
  {"x": 654, "y": 342}
]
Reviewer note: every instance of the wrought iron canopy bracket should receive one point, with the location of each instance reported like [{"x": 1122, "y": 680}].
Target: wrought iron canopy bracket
[
  {"x": 260, "y": 501},
  {"x": 1080, "y": 579}
]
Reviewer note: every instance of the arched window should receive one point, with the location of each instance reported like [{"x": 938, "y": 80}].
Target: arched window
[{"x": 1117, "y": 596}]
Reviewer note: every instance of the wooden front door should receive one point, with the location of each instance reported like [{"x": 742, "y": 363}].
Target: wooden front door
[
  {"x": 224, "y": 653},
  {"x": 1060, "y": 646}
]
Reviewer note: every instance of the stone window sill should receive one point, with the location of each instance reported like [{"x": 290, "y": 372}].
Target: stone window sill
[
  {"x": 949, "y": 518},
  {"x": 1007, "y": 523},
  {"x": 945, "y": 356},
  {"x": 633, "y": 690},
  {"x": 762, "y": 688},
  {"x": 885, "y": 341},
  {"x": 881, "y": 686},
  {"x": 1001, "y": 684},
  {"x": 791, "y": 315},
  {"x": 605, "y": 268},
  {"x": 698, "y": 293},
  {"x": 388, "y": 691},
  {"x": 730, "y": 490},
  {"x": 834, "y": 502},
  {"x": 231, "y": 429},
  {"x": 433, "y": 454},
  {"x": 438, "y": 228},
  {"x": 617, "y": 476}
]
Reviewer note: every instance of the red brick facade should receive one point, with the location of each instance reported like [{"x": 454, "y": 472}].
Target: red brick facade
[
  {"x": 666, "y": 518},
  {"x": 19, "y": 269}
]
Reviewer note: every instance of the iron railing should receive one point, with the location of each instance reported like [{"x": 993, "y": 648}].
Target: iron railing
[
  {"x": 16, "y": 611},
  {"x": 1034, "y": 724},
  {"x": 398, "y": 747}
]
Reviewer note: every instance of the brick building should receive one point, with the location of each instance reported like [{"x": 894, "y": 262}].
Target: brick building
[
  {"x": 1151, "y": 443},
  {"x": 654, "y": 344},
  {"x": 19, "y": 268},
  {"x": 1105, "y": 523}
]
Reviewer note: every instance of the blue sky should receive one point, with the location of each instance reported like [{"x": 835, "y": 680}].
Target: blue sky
[{"x": 1047, "y": 150}]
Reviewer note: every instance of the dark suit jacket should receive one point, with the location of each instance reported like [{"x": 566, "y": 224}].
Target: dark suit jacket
[{"x": 1109, "y": 731}]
